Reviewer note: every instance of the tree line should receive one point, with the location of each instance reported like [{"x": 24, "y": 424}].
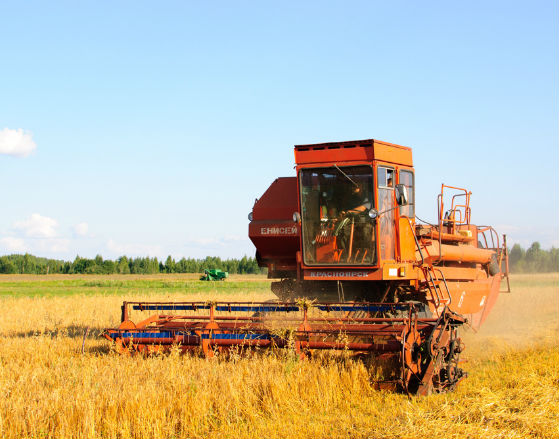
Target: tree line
[
  {"x": 29, "y": 264},
  {"x": 532, "y": 260}
]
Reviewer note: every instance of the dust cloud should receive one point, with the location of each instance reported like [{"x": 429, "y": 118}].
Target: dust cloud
[{"x": 526, "y": 317}]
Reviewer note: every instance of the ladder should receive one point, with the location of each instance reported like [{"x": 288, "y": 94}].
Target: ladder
[
  {"x": 437, "y": 287},
  {"x": 436, "y": 283}
]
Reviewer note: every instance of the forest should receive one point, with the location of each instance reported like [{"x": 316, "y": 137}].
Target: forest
[
  {"x": 531, "y": 260},
  {"x": 29, "y": 264}
]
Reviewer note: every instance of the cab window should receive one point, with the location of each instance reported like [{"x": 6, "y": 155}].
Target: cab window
[
  {"x": 406, "y": 178},
  {"x": 385, "y": 177},
  {"x": 335, "y": 221}
]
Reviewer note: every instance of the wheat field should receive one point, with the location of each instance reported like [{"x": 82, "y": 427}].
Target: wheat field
[{"x": 49, "y": 388}]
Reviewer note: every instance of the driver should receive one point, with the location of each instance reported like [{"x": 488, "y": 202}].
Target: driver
[{"x": 357, "y": 202}]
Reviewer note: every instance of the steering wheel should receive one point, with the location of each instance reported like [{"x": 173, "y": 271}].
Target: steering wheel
[{"x": 345, "y": 218}]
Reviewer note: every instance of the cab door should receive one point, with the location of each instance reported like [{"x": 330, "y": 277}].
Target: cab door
[{"x": 386, "y": 204}]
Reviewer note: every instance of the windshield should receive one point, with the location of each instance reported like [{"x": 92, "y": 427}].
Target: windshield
[{"x": 335, "y": 203}]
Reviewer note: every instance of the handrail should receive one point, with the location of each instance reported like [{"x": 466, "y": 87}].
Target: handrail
[
  {"x": 495, "y": 243},
  {"x": 415, "y": 239},
  {"x": 440, "y": 228},
  {"x": 455, "y": 207},
  {"x": 505, "y": 254},
  {"x": 445, "y": 284},
  {"x": 429, "y": 270}
]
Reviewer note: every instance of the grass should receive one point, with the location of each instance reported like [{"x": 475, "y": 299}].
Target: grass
[
  {"x": 48, "y": 388},
  {"x": 126, "y": 285}
]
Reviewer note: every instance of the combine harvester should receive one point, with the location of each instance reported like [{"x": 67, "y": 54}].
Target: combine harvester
[
  {"x": 214, "y": 275},
  {"x": 357, "y": 272}
]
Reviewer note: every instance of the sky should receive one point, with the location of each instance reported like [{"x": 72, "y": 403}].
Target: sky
[{"x": 149, "y": 128}]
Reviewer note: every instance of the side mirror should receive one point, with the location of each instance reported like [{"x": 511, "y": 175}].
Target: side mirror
[
  {"x": 401, "y": 193},
  {"x": 373, "y": 213},
  {"x": 296, "y": 218}
]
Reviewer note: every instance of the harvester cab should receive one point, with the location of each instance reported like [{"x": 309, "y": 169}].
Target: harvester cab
[
  {"x": 352, "y": 270},
  {"x": 349, "y": 207}
]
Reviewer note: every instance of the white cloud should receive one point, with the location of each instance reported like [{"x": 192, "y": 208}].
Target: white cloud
[
  {"x": 81, "y": 229},
  {"x": 525, "y": 235},
  {"x": 37, "y": 226},
  {"x": 203, "y": 241},
  {"x": 57, "y": 245},
  {"x": 14, "y": 245},
  {"x": 508, "y": 228},
  {"x": 133, "y": 249},
  {"x": 17, "y": 143},
  {"x": 36, "y": 246},
  {"x": 36, "y": 234}
]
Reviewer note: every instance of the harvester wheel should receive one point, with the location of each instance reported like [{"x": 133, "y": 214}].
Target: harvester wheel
[
  {"x": 411, "y": 359},
  {"x": 442, "y": 373}
]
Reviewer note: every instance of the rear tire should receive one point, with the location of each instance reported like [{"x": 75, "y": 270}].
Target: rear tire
[{"x": 493, "y": 266}]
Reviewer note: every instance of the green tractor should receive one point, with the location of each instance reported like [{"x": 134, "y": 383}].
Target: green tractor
[{"x": 214, "y": 275}]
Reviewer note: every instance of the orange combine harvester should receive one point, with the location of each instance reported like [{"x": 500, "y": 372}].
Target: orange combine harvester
[{"x": 355, "y": 272}]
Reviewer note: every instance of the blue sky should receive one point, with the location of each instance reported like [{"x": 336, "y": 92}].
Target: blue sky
[{"x": 151, "y": 127}]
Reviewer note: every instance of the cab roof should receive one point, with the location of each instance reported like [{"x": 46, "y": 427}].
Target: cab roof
[{"x": 353, "y": 150}]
